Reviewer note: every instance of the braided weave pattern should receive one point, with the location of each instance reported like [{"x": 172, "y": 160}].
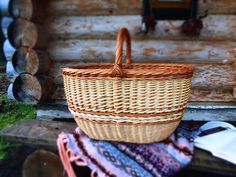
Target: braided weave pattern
[{"x": 138, "y": 103}]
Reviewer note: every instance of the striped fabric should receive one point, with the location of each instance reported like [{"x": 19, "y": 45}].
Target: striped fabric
[{"x": 126, "y": 159}]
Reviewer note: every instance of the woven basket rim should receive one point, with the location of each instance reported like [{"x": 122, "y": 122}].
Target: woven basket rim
[{"x": 140, "y": 70}]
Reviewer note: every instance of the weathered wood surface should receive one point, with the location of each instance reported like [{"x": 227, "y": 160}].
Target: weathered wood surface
[
  {"x": 218, "y": 95},
  {"x": 21, "y": 9},
  {"x": 5, "y": 23},
  {"x": 216, "y": 27},
  {"x": 43, "y": 163},
  {"x": 201, "y": 112},
  {"x": 31, "y": 89},
  {"x": 205, "y": 76},
  {"x": 217, "y": 6},
  {"x": 114, "y": 7},
  {"x": 204, "y": 161},
  {"x": 30, "y": 61},
  {"x": 33, "y": 10},
  {"x": 37, "y": 132},
  {"x": 8, "y": 50},
  {"x": 144, "y": 51},
  {"x": 23, "y": 33},
  {"x": 45, "y": 133},
  {"x": 91, "y": 7},
  {"x": 50, "y": 112},
  {"x": 209, "y": 115}
]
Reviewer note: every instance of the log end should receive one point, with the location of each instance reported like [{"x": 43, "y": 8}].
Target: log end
[
  {"x": 27, "y": 89},
  {"x": 25, "y": 60}
]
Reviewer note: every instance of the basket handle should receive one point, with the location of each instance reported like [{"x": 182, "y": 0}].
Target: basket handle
[{"x": 117, "y": 68}]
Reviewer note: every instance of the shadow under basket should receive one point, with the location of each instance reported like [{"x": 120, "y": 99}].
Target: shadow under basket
[{"x": 136, "y": 103}]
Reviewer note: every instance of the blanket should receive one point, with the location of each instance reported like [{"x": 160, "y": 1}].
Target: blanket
[{"x": 110, "y": 159}]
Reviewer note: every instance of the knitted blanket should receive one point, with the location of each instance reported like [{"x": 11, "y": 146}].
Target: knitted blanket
[{"x": 125, "y": 159}]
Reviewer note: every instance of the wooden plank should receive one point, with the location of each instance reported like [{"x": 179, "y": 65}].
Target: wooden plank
[
  {"x": 50, "y": 112},
  {"x": 37, "y": 132},
  {"x": 216, "y": 27},
  {"x": 115, "y": 7},
  {"x": 45, "y": 133},
  {"x": 204, "y": 161},
  {"x": 144, "y": 51},
  {"x": 218, "y": 95},
  {"x": 201, "y": 112},
  {"x": 210, "y": 114}
]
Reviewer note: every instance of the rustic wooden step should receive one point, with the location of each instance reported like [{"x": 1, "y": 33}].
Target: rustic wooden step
[
  {"x": 44, "y": 133},
  {"x": 37, "y": 132},
  {"x": 197, "y": 111}
]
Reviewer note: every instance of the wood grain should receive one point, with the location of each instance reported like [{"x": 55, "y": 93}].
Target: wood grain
[
  {"x": 31, "y": 89},
  {"x": 21, "y": 9},
  {"x": 218, "y": 6},
  {"x": 37, "y": 132},
  {"x": 91, "y": 7},
  {"x": 23, "y": 33},
  {"x": 60, "y": 112},
  {"x": 216, "y": 27},
  {"x": 144, "y": 51},
  {"x": 30, "y": 61},
  {"x": 208, "y": 76},
  {"x": 111, "y": 7}
]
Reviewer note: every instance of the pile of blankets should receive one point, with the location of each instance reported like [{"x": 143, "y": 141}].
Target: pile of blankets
[{"x": 110, "y": 159}]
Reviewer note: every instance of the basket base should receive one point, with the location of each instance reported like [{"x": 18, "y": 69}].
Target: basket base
[{"x": 148, "y": 133}]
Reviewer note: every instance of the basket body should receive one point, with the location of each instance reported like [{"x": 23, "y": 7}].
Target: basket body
[
  {"x": 138, "y": 103},
  {"x": 130, "y": 110}
]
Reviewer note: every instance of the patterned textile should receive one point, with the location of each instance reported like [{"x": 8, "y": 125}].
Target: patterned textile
[{"x": 125, "y": 159}]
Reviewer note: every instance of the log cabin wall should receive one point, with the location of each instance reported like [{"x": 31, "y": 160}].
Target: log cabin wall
[{"x": 85, "y": 32}]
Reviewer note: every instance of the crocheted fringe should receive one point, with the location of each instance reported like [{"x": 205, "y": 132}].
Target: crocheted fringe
[{"x": 68, "y": 157}]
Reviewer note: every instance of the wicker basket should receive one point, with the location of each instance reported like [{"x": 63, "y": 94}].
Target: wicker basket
[{"x": 139, "y": 103}]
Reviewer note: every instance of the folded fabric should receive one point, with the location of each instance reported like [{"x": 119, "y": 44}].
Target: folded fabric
[{"x": 106, "y": 158}]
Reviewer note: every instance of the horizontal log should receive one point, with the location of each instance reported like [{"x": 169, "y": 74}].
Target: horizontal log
[
  {"x": 30, "y": 61},
  {"x": 218, "y": 95},
  {"x": 5, "y": 23},
  {"x": 91, "y": 7},
  {"x": 23, "y": 33},
  {"x": 214, "y": 76},
  {"x": 8, "y": 50},
  {"x": 216, "y": 27},
  {"x": 144, "y": 51},
  {"x": 208, "y": 95},
  {"x": 217, "y": 6},
  {"x": 115, "y": 7},
  {"x": 205, "y": 76},
  {"x": 30, "y": 89}
]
